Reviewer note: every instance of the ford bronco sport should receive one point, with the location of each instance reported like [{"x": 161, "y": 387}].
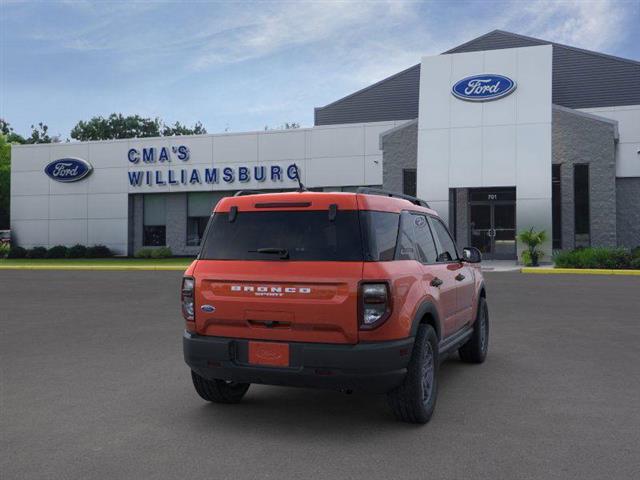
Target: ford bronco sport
[{"x": 351, "y": 291}]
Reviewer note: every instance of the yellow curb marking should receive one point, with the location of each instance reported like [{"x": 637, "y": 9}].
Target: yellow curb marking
[
  {"x": 93, "y": 267},
  {"x": 580, "y": 271}
]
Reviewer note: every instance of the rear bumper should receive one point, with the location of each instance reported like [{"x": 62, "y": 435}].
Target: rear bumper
[{"x": 371, "y": 367}]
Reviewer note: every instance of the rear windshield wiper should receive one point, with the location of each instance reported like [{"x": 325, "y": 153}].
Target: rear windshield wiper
[{"x": 283, "y": 252}]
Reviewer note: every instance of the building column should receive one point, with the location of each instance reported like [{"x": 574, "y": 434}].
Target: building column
[
  {"x": 567, "y": 212},
  {"x": 462, "y": 214},
  {"x": 177, "y": 222},
  {"x": 138, "y": 221}
]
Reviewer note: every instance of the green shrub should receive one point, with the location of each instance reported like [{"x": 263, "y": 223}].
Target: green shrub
[
  {"x": 608, "y": 258},
  {"x": 37, "y": 252},
  {"x": 17, "y": 252},
  {"x": 4, "y": 249},
  {"x": 143, "y": 253},
  {"x": 532, "y": 239},
  {"x": 162, "y": 252},
  {"x": 635, "y": 252},
  {"x": 618, "y": 258},
  {"x": 77, "y": 251},
  {"x": 99, "y": 251},
  {"x": 635, "y": 263},
  {"x": 59, "y": 251}
]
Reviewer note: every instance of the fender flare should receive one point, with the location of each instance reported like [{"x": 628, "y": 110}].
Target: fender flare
[
  {"x": 426, "y": 307},
  {"x": 480, "y": 293},
  {"x": 482, "y": 288}
]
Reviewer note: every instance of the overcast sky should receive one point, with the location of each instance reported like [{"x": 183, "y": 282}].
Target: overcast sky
[{"x": 241, "y": 66}]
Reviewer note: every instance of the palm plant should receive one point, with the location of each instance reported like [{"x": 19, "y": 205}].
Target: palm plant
[{"x": 532, "y": 240}]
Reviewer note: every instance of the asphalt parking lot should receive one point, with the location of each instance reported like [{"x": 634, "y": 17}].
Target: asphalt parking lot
[{"x": 94, "y": 386}]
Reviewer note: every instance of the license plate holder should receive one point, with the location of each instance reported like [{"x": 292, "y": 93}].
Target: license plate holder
[{"x": 272, "y": 354}]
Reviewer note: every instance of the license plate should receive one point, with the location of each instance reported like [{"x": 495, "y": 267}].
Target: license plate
[{"x": 269, "y": 353}]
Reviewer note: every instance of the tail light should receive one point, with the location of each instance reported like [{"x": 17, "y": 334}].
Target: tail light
[
  {"x": 375, "y": 304},
  {"x": 186, "y": 298}
]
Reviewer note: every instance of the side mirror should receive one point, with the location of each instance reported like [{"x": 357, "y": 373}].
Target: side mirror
[{"x": 471, "y": 255}]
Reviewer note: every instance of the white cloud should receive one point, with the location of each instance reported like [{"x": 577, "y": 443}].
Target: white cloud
[
  {"x": 590, "y": 24},
  {"x": 287, "y": 25}
]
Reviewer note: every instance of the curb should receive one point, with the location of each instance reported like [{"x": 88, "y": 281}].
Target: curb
[
  {"x": 94, "y": 267},
  {"x": 578, "y": 271}
]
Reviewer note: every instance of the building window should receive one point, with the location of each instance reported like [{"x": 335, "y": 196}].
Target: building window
[
  {"x": 556, "y": 206},
  {"x": 199, "y": 207},
  {"x": 409, "y": 182},
  {"x": 581, "y": 205},
  {"x": 155, "y": 220}
]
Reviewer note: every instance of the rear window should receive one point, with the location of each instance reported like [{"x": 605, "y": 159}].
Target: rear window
[{"x": 304, "y": 235}]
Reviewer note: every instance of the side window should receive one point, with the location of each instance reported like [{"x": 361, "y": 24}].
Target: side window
[
  {"x": 406, "y": 239},
  {"x": 380, "y": 233},
  {"x": 424, "y": 240},
  {"x": 447, "y": 251}
]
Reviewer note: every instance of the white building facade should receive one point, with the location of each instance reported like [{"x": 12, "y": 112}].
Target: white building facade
[
  {"x": 134, "y": 184},
  {"x": 501, "y": 134}
]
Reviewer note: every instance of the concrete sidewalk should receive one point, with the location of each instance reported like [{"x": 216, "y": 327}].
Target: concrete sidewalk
[{"x": 500, "y": 266}]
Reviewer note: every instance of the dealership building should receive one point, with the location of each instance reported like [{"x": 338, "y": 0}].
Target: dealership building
[{"x": 501, "y": 134}]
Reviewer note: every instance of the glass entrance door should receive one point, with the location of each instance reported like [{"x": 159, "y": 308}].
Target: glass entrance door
[
  {"x": 480, "y": 227},
  {"x": 492, "y": 226},
  {"x": 504, "y": 231}
]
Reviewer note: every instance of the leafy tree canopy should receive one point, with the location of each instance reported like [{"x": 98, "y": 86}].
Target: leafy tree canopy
[
  {"x": 117, "y": 125},
  {"x": 179, "y": 129},
  {"x": 39, "y": 134}
]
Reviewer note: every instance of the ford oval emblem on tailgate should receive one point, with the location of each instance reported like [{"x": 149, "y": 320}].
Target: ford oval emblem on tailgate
[{"x": 208, "y": 308}]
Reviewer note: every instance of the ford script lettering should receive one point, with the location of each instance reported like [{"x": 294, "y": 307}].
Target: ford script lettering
[
  {"x": 68, "y": 169},
  {"x": 482, "y": 88}
]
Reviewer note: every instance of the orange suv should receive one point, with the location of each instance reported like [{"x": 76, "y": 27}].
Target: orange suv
[{"x": 350, "y": 291}]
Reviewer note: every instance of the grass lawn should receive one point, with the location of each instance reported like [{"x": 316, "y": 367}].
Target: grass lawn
[{"x": 115, "y": 263}]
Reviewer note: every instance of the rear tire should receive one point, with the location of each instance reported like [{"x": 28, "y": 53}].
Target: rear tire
[
  {"x": 475, "y": 350},
  {"x": 415, "y": 400},
  {"x": 219, "y": 391}
]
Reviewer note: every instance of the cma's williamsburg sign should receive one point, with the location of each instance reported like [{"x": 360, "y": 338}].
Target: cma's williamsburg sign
[{"x": 198, "y": 176}]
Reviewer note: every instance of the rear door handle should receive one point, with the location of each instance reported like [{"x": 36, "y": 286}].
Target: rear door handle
[
  {"x": 460, "y": 277},
  {"x": 436, "y": 282}
]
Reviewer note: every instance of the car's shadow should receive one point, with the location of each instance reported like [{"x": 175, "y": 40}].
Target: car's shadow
[{"x": 295, "y": 410}]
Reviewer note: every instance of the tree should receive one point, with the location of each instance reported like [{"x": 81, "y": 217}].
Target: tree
[
  {"x": 40, "y": 134},
  {"x": 132, "y": 126},
  {"x": 7, "y": 131},
  {"x": 5, "y": 178},
  {"x": 179, "y": 129},
  {"x": 116, "y": 126}
]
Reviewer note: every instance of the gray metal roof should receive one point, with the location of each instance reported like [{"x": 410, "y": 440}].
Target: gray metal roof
[
  {"x": 581, "y": 79},
  {"x": 394, "y": 98}
]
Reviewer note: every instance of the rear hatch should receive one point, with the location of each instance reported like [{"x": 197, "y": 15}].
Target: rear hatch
[{"x": 286, "y": 271}]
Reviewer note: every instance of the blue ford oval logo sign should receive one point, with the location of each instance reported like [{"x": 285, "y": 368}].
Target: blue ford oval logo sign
[
  {"x": 68, "y": 169},
  {"x": 482, "y": 88}
]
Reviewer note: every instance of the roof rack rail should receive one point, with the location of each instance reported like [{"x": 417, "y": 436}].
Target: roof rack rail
[
  {"x": 386, "y": 193},
  {"x": 242, "y": 193}
]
